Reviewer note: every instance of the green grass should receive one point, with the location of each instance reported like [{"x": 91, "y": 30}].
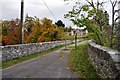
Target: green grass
[
  {"x": 9, "y": 63},
  {"x": 70, "y": 37},
  {"x": 80, "y": 63}
]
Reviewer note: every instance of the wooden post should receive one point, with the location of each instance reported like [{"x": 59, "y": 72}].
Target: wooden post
[
  {"x": 75, "y": 40},
  {"x": 65, "y": 45}
]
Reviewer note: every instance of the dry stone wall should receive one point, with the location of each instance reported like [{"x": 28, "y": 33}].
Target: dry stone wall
[
  {"x": 106, "y": 61},
  {"x": 14, "y": 51}
]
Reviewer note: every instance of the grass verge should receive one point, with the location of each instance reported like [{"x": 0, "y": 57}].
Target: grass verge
[
  {"x": 80, "y": 63},
  {"x": 9, "y": 63},
  {"x": 72, "y": 37}
]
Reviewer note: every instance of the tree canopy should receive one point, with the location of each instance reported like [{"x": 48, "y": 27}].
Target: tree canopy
[
  {"x": 35, "y": 30},
  {"x": 92, "y": 15},
  {"x": 60, "y": 23}
]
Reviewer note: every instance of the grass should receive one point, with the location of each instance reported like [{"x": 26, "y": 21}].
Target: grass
[
  {"x": 9, "y": 63},
  {"x": 71, "y": 47},
  {"x": 71, "y": 37},
  {"x": 80, "y": 63}
]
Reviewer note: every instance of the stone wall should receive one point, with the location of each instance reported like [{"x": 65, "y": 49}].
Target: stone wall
[
  {"x": 106, "y": 61},
  {"x": 14, "y": 51}
]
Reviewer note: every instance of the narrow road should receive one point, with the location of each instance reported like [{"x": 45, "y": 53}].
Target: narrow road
[{"x": 51, "y": 65}]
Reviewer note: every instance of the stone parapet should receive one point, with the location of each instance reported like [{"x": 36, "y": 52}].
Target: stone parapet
[{"x": 106, "y": 61}]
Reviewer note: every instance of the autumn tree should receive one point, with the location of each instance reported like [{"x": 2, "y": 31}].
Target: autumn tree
[
  {"x": 12, "y": 33},
  {"x": 44, "y": 31},
  {"x": 35, "y": 30}
]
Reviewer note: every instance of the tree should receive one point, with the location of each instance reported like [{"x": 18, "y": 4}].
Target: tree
[
  {"x": 43, "y": 30},
  {"x": 89, "y": 15},
  {"x": 29, "y": 23},
  {"x": 68, "y": 29},
  {"x": 113, "y": 4},
  {"x": 35, "y": 30},
  {"x": 115, "y": 29},
  {"x": 60, "y": 23},
  {"x": 13, "y": 33},
  {"x": 5, "y": 27}
]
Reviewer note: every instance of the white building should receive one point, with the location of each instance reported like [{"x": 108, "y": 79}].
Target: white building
[{"x": 79, "y": 30}]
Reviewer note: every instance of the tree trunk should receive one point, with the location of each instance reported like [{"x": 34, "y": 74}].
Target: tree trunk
[{"x": 112, "y": 28}]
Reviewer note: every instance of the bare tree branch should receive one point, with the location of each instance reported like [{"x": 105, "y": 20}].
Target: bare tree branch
[
  {"x": 91, "y": 3},
  {"x": 117, "y": 18},
  {"x": 113, "y": 3},
  {"x": 117, "y": 10}
]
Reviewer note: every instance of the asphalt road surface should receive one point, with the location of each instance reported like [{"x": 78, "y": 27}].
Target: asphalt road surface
[{"x": 51, "y": 65}]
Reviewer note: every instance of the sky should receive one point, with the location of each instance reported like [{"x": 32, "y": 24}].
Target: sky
[{"x": 11, "y": 9}]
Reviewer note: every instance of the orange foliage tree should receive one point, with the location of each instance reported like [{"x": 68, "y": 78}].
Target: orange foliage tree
[
  {"x": 13, "y": 34},
  {"x": 43, "y": 31},
  {"x": 35, "y": 30}
]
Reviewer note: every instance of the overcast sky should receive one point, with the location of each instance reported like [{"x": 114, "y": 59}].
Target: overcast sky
[{"x": 11, "y": 9}]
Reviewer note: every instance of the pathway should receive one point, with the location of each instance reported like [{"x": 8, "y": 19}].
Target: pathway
[{"x": 51, "y": 65}]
